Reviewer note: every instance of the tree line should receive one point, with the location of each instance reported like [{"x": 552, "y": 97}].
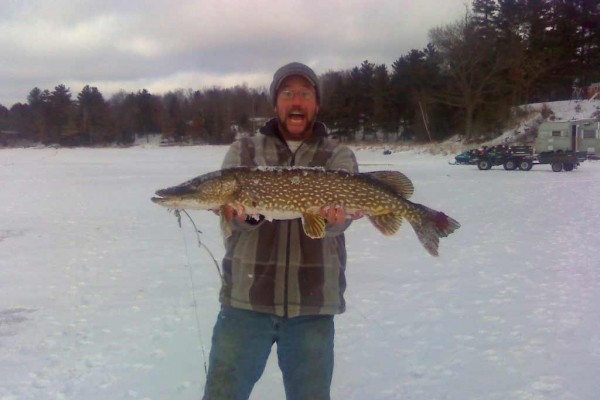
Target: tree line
[
  {"x": 89, "y": 119},
  {"x": 467, "y": 80}
]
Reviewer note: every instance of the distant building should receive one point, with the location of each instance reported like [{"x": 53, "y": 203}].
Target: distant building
[
  {"x": 561, "y": 135},
  {"x": 593, "y": 90}
]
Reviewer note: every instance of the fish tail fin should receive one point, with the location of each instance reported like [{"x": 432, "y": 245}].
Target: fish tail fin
[{"x": 431, "y": 226}]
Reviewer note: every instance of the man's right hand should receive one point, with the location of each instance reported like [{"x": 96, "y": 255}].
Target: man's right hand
[{"x": 230, "y": 212}]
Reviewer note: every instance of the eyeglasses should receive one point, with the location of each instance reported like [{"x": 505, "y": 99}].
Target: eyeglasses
[{"x": 290, "y": 94}]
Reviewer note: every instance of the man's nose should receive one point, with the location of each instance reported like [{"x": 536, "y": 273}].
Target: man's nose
[{"x": 297, "y": 99}]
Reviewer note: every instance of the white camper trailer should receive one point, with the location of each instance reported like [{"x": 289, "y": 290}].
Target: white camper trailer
[{"x": 575, "y": 135}]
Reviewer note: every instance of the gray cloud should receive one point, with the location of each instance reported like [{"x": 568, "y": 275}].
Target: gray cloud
[{"x": 165, "y": 45}]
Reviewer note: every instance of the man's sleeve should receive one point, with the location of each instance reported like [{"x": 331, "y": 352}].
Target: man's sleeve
[
  {"x": 343, "y": 158},
  {"x": 233, "y": 156}
]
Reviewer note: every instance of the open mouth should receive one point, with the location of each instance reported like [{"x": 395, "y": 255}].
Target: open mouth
[
  {"x": 296, "y": 117},
  {"x": 158, "y": 200}
]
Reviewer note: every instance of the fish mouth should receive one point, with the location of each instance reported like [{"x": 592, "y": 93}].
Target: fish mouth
[
  {"x": 175, "y": 191},
  {"x": 157, "y": 200},
  {"x": 168, "y": 202},
  {"x": 163, "y": 196},
  {"x": 164, "y": 192}
]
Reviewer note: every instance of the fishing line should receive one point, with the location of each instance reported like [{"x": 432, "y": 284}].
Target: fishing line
[
  {"x": 191, "y": 276},
  {"x": 199, "y": 240}
]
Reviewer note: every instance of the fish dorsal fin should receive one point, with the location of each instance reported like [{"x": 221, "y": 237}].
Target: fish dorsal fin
[
  {"x": 388, "y": 224},
  {"x": 314, "y": 225},
  {"x": 394, "y": 180}
]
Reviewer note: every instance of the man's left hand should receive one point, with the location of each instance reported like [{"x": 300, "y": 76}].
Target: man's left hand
[{"x": 337, "y": 215}]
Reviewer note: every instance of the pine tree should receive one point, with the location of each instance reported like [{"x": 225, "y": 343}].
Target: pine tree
[
  {"x": 485, "y": 16},
  {"x": 61, "y": 108},
  {"x": 383, "y": 116},
  {"x": 173, "y": 121},
  {"x": 93, "y": 118}
]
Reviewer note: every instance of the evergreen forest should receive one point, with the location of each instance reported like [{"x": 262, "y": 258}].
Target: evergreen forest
[{"x": 467, "y": 81}]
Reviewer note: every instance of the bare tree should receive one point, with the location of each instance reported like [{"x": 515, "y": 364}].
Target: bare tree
[{"x": 471, "y": 67}]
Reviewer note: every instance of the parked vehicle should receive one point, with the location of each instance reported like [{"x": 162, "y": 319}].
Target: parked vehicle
[
  {"x": 468, "y": 157},
  {"x": 519, "y": 157}
]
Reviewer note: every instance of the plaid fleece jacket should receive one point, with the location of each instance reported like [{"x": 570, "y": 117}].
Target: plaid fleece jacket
[{"x": 272, "y": 266}]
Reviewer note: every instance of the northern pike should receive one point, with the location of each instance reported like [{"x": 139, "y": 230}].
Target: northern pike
[{"x": 301, "y": 192}]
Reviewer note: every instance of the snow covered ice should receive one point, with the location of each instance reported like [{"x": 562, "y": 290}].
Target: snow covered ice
[{"x": 96, "y": 300}]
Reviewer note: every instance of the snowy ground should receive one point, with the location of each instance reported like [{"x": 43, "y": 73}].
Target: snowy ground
[{"x": 97, "y": 301}]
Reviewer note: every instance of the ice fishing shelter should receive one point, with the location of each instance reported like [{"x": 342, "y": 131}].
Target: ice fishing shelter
[{"x": 575, "y": 135}]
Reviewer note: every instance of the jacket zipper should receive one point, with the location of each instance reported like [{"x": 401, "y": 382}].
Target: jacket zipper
[
  {"x": 287, "y": 271},
  {"x": 288, "y": 248}
]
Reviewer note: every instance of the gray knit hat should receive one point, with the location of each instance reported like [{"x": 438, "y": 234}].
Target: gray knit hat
[{"x": 294, "y": 68}]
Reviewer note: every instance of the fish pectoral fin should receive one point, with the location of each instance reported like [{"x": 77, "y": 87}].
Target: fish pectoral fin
[
  {"x": 314, "y": 225},
  {"x": 388, "y": 224}
]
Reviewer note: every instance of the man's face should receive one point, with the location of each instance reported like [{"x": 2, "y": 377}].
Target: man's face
[{"x": 296, "y": 108}]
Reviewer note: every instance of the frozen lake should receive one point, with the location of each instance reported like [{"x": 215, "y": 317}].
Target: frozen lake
[{"x": 97, "y": 301}]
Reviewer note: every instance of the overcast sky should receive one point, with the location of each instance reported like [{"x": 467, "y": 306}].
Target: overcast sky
[{"x": 163, "y": 45}]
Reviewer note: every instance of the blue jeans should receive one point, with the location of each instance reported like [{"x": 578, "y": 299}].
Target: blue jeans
[{"x": 241, "y": 344}]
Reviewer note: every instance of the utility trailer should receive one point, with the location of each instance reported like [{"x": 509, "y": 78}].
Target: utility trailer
[
  {"x": 562, "y": 155},
  {"x": 511, "y": 158},
  {"x": 523, "y": 158}
]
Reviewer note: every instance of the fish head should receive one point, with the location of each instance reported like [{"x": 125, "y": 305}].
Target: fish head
[{"x": 206, "y": 192}]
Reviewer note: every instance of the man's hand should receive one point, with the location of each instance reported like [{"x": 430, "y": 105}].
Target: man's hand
[
  {"x": 230, "y": 212},
  {"x": 337, "y": 215}
]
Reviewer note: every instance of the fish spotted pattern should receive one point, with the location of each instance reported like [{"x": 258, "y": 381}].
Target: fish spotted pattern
[{"x": 299, "y": 192}]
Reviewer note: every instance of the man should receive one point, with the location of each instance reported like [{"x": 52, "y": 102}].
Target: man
[{"x": 279, "y": 285}]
